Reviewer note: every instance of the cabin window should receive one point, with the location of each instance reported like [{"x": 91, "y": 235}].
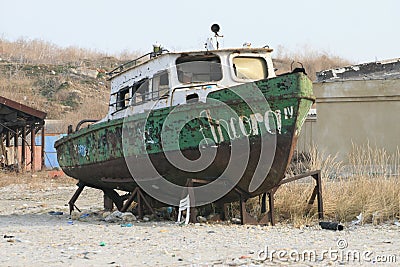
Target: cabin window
[
  {"x": 199, "y": 68},
  {"x": 253, "y": 68},
  {"x": 141, "y": 92},
  {"x": 160, "y": 85},
  {"x": 123, "y": 98}
]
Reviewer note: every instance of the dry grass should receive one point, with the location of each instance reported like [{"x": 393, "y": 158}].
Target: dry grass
[
  {"x": 378, "y": 199},
  {"x": 51, "y": 78},
  {"x": 38, "y": 180},
  {"x": 370, "y": 185},
  {"x": 38, "y": 51}
]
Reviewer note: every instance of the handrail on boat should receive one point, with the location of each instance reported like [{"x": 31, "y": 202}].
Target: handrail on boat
[
  {"x": 78, "y": 126},
  {"x": 134, "y": 62}
]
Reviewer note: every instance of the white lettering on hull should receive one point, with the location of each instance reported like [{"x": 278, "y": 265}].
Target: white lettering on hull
[{"x": 237, "y": 127}]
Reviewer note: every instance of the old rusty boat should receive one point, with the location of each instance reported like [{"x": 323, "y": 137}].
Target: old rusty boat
[{"x": 219, "y": 117}]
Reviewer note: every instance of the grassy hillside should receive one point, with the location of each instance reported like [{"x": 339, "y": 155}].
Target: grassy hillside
[
  {"x": 70, "y": 83},
  {"x": 67, "y": 83}
]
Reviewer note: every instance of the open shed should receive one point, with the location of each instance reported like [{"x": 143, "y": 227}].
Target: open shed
[{"x": 19, "y": 125}]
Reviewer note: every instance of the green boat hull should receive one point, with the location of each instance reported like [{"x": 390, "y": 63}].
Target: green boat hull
[{"x": 263, "y": 118}]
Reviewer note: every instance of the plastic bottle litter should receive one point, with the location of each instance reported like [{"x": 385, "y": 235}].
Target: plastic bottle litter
[
  {"x": 102, "y": 244},
  {"x": 70, "y": 222},
  {"x": 126, "y": 225}
]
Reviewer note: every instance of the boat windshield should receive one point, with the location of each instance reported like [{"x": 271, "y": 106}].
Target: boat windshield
[
  {"x": 199, "y": 68},
  {"x": 253, "y": 68}
]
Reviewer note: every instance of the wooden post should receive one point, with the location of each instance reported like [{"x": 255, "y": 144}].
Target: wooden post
[
  {"x": 8, "y": 138},
  {"x": 33, "y": 148},
  {"x": 317, "y": 178},
  {"x": 271, "y": 212},
  {"x": 16, "y": 161},
  {"x": 23, "y": 149},
  {"x": 43, "y": 151}
]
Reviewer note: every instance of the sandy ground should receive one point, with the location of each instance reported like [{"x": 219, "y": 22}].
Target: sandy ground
[{"x": 30, "y": 236}]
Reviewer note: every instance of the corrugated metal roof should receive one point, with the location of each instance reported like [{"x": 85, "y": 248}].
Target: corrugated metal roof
[
  {"x": 14, "y": 115},
  {"x": 388, "y": 69}
]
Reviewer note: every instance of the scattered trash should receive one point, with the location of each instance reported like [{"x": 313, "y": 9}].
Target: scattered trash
[
  {"x": 244, "y": 257},
  {"x": 215, "y": 217},
  {"x": 102, "y": 244},
  {"x": 106, "y": 214},
  {"x": 56, "y": 212},
  {"x": 397, "y": 223},
  {"x": 359, "y": 220},
  {"x": 331, "y": 226},
  {"x": 8, "y": 236},
  {"x": 70, "y": 222},
  {"x": 201, "y": 219},
  {"x": 146, "y": 218},
  {"x": 84, "y": 215},
  {"x": 126, "y": 225},
  {"x": 114, "y": 217},
  {"x": 236, "y": 221},
  {"x": 128, "y": 217},
  {"x": 118, "y": 216}
]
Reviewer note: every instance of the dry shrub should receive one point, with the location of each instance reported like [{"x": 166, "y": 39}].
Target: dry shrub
[
  {"x": 371, "y": 161},
  {"x": 313, "y": 60}
]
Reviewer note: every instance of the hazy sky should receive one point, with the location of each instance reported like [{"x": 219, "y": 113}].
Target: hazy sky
[{"x": 361, "y": 31}]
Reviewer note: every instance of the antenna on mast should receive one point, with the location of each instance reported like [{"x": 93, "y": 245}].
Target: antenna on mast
[{"x": 215, "y": 29}]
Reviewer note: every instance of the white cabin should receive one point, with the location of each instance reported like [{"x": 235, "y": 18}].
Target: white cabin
[{"x": 172, "y": 79}]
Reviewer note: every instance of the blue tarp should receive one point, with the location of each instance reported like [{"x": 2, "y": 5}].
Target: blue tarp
[{"x": 50, "y": 152}]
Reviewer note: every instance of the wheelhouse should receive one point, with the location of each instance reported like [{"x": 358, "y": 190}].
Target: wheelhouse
[{"x": 179, "y": 78}]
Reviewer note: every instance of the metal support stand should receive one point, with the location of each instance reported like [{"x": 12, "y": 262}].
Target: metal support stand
[
  {"x": 111, "y": 198},
  {"x": 141, "y": 201},
  {"x": 72, "y": 201},
  {"x": 108, "y": 203},
  {"x": 246, "y": 218},
  {"x": 317, "y": 192},
  {"x": 115, "y": 197}
]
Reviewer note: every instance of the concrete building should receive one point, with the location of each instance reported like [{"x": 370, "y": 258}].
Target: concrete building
[{"x": 355, "y": 105}]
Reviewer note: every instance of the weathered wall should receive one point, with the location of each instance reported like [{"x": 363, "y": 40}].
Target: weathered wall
[
  {"x": 307, "y": 135},
  {"x": 356, "y": 112}
]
